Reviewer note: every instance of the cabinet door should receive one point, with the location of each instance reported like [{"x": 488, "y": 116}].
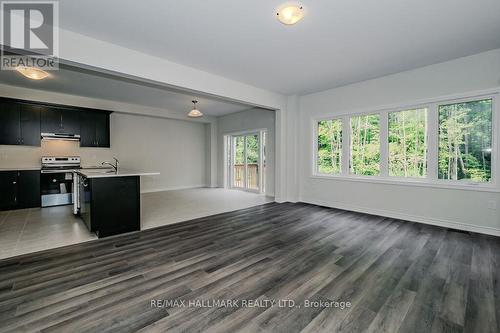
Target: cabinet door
[
  {"x": 87, "y": 130},
  {"x": 8, "y": 186},
  {"x": 51, "y": 120},
  {"x": 10, "y": 132},
  {"x": 70, "y": 120},
  {"x": 102, "y": 129},
  {"x": 28, "y": 189},
  {"x": 30, "y": 124}
]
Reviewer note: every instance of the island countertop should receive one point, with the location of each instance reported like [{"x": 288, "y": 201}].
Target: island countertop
[{"x": 100, "y": 173}]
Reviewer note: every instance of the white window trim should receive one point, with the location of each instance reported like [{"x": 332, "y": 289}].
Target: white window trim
[
  {"x": 431, "y": 180},
  {"x": 315, "y": 147}
]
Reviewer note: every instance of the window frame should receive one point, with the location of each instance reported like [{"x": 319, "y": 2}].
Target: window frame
[
  {"x": 381, "y": 125},
  {"x": 342, "y": 157},
  {"x": 431, "y": 179},
  {"x": 426, "y": 150}
]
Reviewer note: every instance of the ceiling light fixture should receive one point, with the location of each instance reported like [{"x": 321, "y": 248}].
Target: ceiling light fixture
[
  {"x": 290, "y": 14},
  {"x": 32, "y": 72},
  {"x": 195, "y": 113}
]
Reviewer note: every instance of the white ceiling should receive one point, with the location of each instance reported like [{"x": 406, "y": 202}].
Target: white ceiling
[
  {"x": 338, "y": 42},
  {"x": 69, "y": 80}
]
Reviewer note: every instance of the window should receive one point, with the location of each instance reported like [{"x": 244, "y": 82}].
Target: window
[
  {"x": 465, "y": 141},
  {"x": 408, "y": 143},
  {"x": 365, "y": 145},
  {"x": 329, "y": 153},
  {"x": 448, "y": 143}
]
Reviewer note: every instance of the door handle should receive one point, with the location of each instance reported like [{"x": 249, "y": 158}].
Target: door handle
[
  {"x": 54, "y": 180},
  {"x": 14, "y": 183}
]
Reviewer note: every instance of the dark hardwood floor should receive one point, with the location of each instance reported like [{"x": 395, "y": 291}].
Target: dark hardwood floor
[{"x": 398, "y": 277}]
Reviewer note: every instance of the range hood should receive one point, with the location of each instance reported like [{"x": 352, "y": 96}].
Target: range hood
[{"x": 61, "y": 136}]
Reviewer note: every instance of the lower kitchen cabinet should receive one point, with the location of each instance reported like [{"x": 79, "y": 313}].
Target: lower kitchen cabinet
[
  {"x": 110, "y": 205},
  {"x": 28, "y": 189},
  {"x": 20, "y": 189},
  {"x": 8, "y": 192}
]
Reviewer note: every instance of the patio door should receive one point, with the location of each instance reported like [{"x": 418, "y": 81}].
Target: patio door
[{"x": 247, "y": 161}]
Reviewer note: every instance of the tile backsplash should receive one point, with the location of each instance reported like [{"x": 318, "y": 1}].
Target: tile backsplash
[{"x": 24, "y": 156}]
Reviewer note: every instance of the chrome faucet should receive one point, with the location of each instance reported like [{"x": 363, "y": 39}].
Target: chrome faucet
[{"x": 115, "y": 166}]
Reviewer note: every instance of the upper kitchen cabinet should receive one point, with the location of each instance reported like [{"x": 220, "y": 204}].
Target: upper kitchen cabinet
[
  {"x": 19, "y": 123},
  {"x": 60, "y": 120},
  {"x": 25, "y": 122},
  {"x": 94, "y": 130},
  {"x": 30, "y": 124}
]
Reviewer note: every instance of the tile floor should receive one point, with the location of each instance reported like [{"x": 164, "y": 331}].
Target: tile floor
[
  {"x": 31, "y": 230},
  {"x": 162, "y": 208}
]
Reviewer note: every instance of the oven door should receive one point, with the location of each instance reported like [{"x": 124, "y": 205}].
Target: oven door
[{"x": 56, "y": 188}]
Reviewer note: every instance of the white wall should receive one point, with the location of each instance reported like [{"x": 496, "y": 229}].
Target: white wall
[
  {"x": 174, "y": 148},
  {"x": 245, "y": 121},
  {"x": 463, "y": 209}
]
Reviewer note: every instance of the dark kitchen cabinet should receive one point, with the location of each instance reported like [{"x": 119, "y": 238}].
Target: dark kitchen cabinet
[
  {"x": 60, "y": 121},
  {"x": 110, "y": 205},
  {"x": 9, "y": 123},
  {"x": 19, "y": 124},
  {"x": 30, "y": 124},
  {"x": 28, "y": 189},
  {"x": 20, "y": 189},
  {"x": 8, "y": 192},
  {"x": 23, "y": 122},
  {"x": 94, "y": 129}
]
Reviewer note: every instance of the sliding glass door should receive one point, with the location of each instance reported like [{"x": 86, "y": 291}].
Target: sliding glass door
[
  {"x": 239, "y": 162},
  {"x": 246, "y": 161}
]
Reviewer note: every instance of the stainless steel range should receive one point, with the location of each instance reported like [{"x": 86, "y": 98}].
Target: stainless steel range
[{"x": 57, "y": 179}]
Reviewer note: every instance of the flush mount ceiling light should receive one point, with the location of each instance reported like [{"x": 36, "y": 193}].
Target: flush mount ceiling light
[
  {"x": 32, "y": 72},
  {"x": 290, "y": 14},
  {"x": 195, "y": 113}
]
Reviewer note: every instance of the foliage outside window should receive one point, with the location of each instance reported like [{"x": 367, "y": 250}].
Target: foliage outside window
[
  {"x": 408, "y": 143},
  {"x": 239, "y": 150},
  {"x": 253, "y": 149},
  {"x": 329, "y": 154},
  {"x": 365, "y": 145},
  {"x": 465, "y": 141}
]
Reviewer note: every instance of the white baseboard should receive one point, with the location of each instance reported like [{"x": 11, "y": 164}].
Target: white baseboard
[
  {"x": 173, "y": 188},
  {"x": 408, "y": 217}
]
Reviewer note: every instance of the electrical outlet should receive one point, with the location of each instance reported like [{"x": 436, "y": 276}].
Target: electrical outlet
[{"x": 492, "y": 204}]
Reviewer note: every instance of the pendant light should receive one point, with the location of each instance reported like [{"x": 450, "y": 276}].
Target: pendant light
[{"x": 195, "y": 113}]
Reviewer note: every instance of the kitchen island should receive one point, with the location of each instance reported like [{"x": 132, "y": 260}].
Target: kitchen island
[{"x": 109, "y": 200}]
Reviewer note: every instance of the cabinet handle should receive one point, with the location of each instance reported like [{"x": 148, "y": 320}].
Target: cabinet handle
[
  {"x": 54, "y": 180},
  {"x": 14, "y": 183}
]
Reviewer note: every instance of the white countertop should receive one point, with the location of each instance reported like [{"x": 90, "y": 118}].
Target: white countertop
[
  {"x": 21, "y": 169},
  {"x": 104, "y": 173}
]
